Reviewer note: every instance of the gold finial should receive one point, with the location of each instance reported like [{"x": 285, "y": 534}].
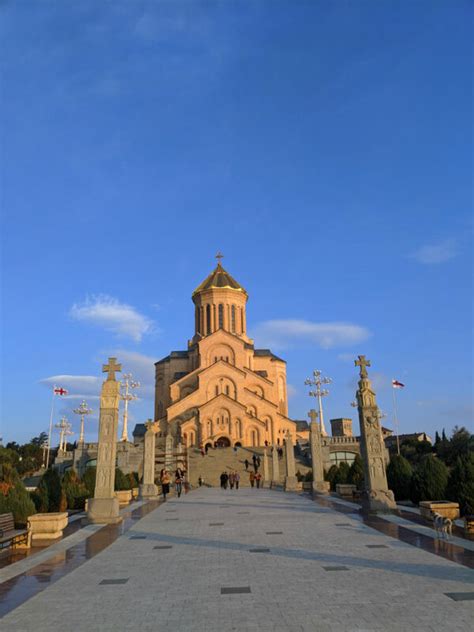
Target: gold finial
[{"x": 219, "y": 256}]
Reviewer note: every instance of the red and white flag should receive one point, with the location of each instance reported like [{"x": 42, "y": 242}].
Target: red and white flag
[
  {"x": 397, "y": 384},
  {"x": 59, "y": 390}
]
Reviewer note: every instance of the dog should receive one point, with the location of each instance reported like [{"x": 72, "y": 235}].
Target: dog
[{"x": 443, "y": 526}]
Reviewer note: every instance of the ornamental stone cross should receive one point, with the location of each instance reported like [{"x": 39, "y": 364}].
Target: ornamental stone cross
[
  {"x": 111, "y": 368},
  {"x": 363, "y": 363},
  {"x": 313, "y": 415}
]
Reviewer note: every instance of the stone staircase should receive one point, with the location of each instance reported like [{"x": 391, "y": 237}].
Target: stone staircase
[{"x": 211, "y": 466}]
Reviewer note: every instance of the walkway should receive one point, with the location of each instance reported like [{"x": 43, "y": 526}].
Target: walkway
[{"x": 253, "y": 560}]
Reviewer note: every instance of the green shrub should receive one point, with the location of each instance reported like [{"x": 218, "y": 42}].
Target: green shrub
[
  {"x": 308, "y": 477},
  {"x": 75, "y": 490},
  {"x": 18, "y": 502},
  {"x": 88, "y": 480},
  {"x": 40, "y": 499},
  {"x": 399, "y": 475},
  {"x": 342, "y": 474},
  {"x": 330, "y": 476},
  {"x": 461, "y": 483},
  {"x": 429, "y": 480},
  {"x": 356, "y": 472},
  {"x": 299, "y": 476},
  {"x": 51, "y": 482},
  {"x": 133, "y": 478},
  {"x": 122, "y": 482}
]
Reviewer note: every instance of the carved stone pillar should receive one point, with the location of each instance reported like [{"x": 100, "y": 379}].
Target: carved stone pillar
[
  {"x": 290, "y": 478},
  {"x": 266, "y": 472},
  {"x": 275, "y": 467},
  {"x": 376, "y": 496},
  {"x": 104, "y": 507},
  {"x": 320, "y": 486},
  {"x": 148, "y": 489}
]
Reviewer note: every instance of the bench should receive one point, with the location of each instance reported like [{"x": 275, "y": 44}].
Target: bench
[{"x": 9, "y": 536}]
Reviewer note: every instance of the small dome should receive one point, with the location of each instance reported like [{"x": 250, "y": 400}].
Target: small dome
[{"x": 219, "y": 278}]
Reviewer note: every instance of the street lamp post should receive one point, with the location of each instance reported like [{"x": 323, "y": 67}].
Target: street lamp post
[
  {"x": 317, "y": 381},
  {"x": 82, "y": 410},
  {"x": 127, "y": 383},
  {"x": 64, "y": 428}
]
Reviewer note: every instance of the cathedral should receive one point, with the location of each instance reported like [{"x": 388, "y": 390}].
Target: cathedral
[{"x": 222, "y": 390}]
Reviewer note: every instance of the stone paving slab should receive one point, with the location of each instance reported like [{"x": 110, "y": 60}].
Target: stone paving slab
[{"x": 400, "y": 587}]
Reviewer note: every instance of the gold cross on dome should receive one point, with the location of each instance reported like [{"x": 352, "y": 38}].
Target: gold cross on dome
[
  {"x": 111, "y": 367},
  {"x": 363, "y": 363},
  {"x": 219, "y": 256}
]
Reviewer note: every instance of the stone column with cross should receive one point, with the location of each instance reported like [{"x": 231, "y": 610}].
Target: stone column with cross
[
  {"x": 320, "y": 486},
  {"x": 275, "y": 467},
  {"x": 104, "y": 507},
  {"x": 266, "y": 471},
  {"x": 148, "y": 489},
  {"x": 376, "y": 496},
  {"x": 290, "y": 478}
]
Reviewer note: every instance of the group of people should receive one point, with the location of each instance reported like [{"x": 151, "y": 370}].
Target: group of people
[
  {"x": 232, "y": 480},
  {"x": 179, "y": 481},
  {"x": 256, "y": 463}
]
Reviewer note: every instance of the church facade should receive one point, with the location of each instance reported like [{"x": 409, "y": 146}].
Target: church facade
[{"x": 221, "y": 389}]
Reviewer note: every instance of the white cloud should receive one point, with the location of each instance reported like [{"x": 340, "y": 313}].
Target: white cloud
[
  {"x": 281, "y": 334},
  {"x": 291, "y": 390},
  {"x": 141, "y": 366},
  {"x": 436, "y": 253},
  {"x": 119, "y": 318}
]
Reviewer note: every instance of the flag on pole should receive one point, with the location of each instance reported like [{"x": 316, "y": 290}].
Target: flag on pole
[
  {"x": 397, "y": 384},
  {"x": 58, "y": 390}
]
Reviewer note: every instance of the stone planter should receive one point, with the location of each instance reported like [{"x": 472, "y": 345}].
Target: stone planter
[
  {"x": 445, "y": 508},
  {"x": 345, "y": 490},
  {"x": 469, "y": 525},
  {"x": 124, "y": 496},
  {"x": 47, "y": 526}
]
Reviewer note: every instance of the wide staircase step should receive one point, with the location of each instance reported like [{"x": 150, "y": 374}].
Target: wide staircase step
[{"x": 211, "y": 466}]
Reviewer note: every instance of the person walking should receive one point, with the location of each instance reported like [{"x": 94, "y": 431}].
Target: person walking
[
  {"x": 222, "y": 477},
  {"x": 200, "y": 481},
  {"x": 258, "y": 462},
  {"x": 252, "y": 479},
  {"x": 246, "y": 463},
  {"x": 231, "y": 480},
  {"x": 258, "y": 478},
  {"x": 236, "y": 479},
  {"x": 178, "y": 481},
  {"x": 165, "y": 482}
]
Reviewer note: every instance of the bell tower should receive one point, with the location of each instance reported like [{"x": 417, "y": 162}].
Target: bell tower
[{"x": 220, "y": 303}]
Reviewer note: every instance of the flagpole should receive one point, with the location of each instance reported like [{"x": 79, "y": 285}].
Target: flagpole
[
  {"x": 50, "y": 427},
  {"x": 396, "y": 419}
]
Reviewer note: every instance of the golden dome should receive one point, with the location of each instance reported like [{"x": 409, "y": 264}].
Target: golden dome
[{"x": 219, "y": 279}]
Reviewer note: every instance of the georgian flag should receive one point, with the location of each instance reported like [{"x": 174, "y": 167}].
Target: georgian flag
[
  {"x": 59, "y": 390},
  {"x": 397, "y": 384}
]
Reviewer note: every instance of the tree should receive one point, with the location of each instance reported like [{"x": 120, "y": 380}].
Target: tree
[
  {"x": 40, "y": 440},
  {"x": 461, "y": 483},
  {"x": 330, "y": 476},
  {"x": 18, "y": 502},
  {"x": 342, "y": 475},
  {"x": 51, "y": 482},
  {"x": 356, "y": 473},
  {"x": 122, "y": 482},
  {"x": 75, "y": 490},
  {"x": 399, "y": 475},
  {"x": 429, "y": 480},
  {"x": 88, "y": 479}
]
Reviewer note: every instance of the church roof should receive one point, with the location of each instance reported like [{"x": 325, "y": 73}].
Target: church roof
[{"x": 219, "y": 278}]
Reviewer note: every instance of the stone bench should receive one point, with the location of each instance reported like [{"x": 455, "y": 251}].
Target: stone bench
[
  {"x": 444, "y": 508},
  {"x": 9, "y": 536},
  {"x": 47, "y": 526}
]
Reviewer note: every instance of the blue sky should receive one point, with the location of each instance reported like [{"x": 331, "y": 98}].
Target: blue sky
[{"x": 324, "y": 147}]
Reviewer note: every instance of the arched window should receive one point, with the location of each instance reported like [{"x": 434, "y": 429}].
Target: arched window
[
  {"x": 227, "y": 390},
  {"x": 217, "y": 390},
  {"x": 221, "y": 316},
  {"x": 208, "y": 319},
  {"x": 232, "y": 319}
]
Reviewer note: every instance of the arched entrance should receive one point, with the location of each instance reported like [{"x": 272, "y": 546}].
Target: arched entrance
[
  {"x": 237, "y": 444},
  {"x": 223, "y": 442}
]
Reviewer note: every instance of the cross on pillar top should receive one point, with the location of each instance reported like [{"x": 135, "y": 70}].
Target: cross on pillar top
[
  {"x": 363, "y": 363},
  {"x": 111, "y": 367},
  {"x": 313, "y": 415}
]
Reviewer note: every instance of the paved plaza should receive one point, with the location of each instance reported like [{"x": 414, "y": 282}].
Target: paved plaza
[{"x": 250, "y": 560}]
